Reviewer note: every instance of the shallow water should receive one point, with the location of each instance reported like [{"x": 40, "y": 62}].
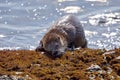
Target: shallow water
[{"x": 24, "y": 22}]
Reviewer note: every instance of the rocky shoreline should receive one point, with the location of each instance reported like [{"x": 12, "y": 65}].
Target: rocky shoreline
[{"x": 82, "y": 64}]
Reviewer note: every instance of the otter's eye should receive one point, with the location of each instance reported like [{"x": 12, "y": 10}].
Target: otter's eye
[
  {"x": 56, "y": 46},
  {"x": 58, "y": 38}
]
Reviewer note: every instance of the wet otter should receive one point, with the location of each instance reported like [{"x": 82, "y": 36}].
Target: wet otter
[{"x": 66, "y": 33}]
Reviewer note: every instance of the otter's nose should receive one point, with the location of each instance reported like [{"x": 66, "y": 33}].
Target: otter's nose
[{"x": 55, "y": 53}]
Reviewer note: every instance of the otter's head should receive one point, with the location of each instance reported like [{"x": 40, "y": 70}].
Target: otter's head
[{"x": 53, "y": 44}]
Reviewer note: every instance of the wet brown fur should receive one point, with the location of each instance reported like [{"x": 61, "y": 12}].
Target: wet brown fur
[
  {"x": 53, "y": 32},
  {"x": 70, "y": 31}
]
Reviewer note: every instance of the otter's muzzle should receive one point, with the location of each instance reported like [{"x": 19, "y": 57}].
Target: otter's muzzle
[{"x": 57, "y": 54}]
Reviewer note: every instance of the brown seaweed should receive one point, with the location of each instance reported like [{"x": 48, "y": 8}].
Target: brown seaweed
[{"x": 82, "y": 64}]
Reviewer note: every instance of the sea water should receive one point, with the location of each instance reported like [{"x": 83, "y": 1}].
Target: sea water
[{"x": 24, "y": 22}]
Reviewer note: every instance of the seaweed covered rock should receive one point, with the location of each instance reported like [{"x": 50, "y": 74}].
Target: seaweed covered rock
[{"x": 85, "y": 64}]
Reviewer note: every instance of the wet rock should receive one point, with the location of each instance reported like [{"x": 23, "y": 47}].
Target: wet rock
[
  {"x": 118, "y": 57},
  {"x": 94, "y": 68},
  {"x": 105, "y": 19},
  {"x": 110, "y": 52},
  {"x": 7, "y": 77}
]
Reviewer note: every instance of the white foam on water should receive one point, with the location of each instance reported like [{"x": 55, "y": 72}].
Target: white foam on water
[
  {"x": 2, "y": 36},
  {"x": 97, "y": 0},
  {"x": 65, "y": 0},
  {"x": 109, "y": 34},
  {"x": 9, "y": 48},
  {"x": 30, "y": 47},
  {"x": 72, "y": 9},
  {"x": 13, "y": 27},
  {"x": 90, "y": 33}
]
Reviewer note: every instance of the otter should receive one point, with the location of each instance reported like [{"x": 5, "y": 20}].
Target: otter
[{"x": 66, "y": 33}]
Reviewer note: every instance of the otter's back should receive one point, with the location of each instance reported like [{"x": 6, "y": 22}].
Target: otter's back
[
  {"x": 73, "y": 27},
  {"x": 74, "y": 21}
]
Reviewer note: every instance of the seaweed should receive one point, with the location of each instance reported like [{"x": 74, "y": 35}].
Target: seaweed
[{"x": 73, "y": 65}]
